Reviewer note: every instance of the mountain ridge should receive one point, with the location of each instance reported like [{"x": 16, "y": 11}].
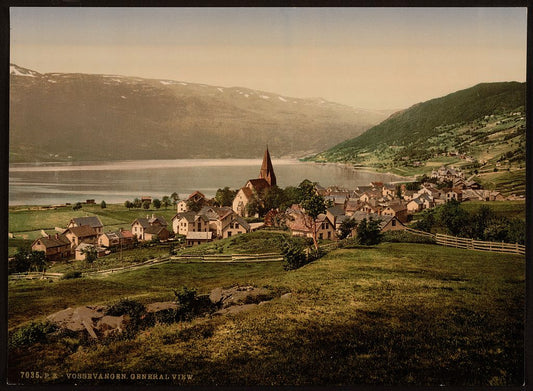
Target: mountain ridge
[
  {"x": 412, "y": 127},
  {"x": 79, "y": 116}
]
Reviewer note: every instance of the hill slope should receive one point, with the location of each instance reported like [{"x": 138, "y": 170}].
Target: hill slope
[
  {"x": 108, "y": 117},
  {"x": 412, "y": 132}
]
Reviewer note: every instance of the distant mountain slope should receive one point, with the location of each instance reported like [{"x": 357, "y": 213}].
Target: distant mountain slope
[
  {"x": 411, "y": 129},
  {"x": 58, "y": 116}
]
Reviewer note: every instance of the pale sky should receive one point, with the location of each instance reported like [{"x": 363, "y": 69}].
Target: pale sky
[{"x": 373, "y": 58}]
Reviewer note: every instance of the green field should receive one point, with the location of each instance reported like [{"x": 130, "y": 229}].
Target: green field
[
  {"x": 113, "y": 217},
  {"x": 510, "y": 209},
  {"x": 394, "y": 314}
]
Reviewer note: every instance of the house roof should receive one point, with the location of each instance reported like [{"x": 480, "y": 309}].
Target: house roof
[
  {"x": 154, "y": 229},
  {"x": 113, "y": 235},
  {"x": 215, "y": 212},
  {"x": 384, "y": 220},
  {"x": 148, "y": 221},
  {"x": 241, "y": 221},
  {"x": 258, "y": 184},
  {"x": 92, "y": 221},
  {"x": 336, "y": 210},
  {"x": 82, "y": 231},
  {"x": 53, "y": 241},
  {"x": 247, "y": 192},
  {"x": 199, "y": 235},
  {"x": 196, "y": 193},
  {"x": 126, "y": 234},
  {"x": 397, "y": 207},
  {"x": 352, "y": 204}
]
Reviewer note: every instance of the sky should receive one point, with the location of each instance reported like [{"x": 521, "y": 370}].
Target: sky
[{"x": 372, "y": 58}]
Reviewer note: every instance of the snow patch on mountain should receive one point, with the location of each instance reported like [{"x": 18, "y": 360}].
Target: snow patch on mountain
[
  {"x": 14, "y": 70},
  {"x": 282, "y": 99}
]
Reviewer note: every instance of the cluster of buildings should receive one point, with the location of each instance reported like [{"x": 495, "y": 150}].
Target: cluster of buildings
[{"x": 389, "y": 204}]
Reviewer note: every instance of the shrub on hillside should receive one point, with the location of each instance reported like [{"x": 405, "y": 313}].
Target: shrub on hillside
[
  {"x": 294, "y": 255},
  {"x": 191, "y": 305},
  {"x": 31, "y": 334}
]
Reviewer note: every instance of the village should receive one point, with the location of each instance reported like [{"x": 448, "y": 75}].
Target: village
[{"x": 199, "y": 219}]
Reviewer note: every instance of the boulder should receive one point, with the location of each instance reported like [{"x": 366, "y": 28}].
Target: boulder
[
  {"x": 110, "y": 324},
  {"x": 161, "y": 306}
]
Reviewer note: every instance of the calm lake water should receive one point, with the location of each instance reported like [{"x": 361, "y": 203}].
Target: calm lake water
[{"x": 114, "y": 182}]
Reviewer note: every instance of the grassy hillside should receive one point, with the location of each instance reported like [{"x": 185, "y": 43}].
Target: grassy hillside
[
  {"x": 481, "y": 130},
  {"x": 393, "y": 314},
  {"x": 425, "y": 120}
]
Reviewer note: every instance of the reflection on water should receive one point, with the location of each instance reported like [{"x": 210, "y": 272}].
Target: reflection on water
[{"x": 118, "y": 181}]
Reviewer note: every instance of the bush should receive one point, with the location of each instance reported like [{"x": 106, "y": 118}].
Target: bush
[
  {"x": 31, "y": 334},
  {"x": 127, "y": 307},
  {"x": 136, "y": 312},
  {"x": 190, "y": 304},
  {"x": 368, "y": 232},
  {"x": 293, "y": 255},
  {"x": 70, "y": 275}
]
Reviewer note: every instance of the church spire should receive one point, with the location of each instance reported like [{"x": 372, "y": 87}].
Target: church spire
[{"x": 267, "y": 170}]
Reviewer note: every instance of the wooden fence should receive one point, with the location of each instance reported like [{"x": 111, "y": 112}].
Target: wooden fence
[
  {"x": 35, "y": 276},
  {"x": 472, "y": 244},
  {"x": 267, "y": 257},
  {"x": 421, "y": 233}
]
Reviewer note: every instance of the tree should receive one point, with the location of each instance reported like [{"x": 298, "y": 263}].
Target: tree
[
  {"x": 128, "y": 204},
  {"x": 157, "y": 203},
  {"x": 426, "y": 220},
  {"x": 346, "y": 228},
  {"x": 368, "y": 232},
  {"x": 293, "y": 255},
  {"x": 399, "y": 191},
  {"x": 225, "y": 196},
  {"x": 453, "y": 217},
  {"x": 291, "y": 196},
  {"x": 77, "y": 206},
  {"x": 195, "y": 206},
  {"x": 175, "y": 198},
  {"x": 103, "y": 205},
  {"x": 273, "y": 198},
  {"x": 313, "y": 205},
  {"x": 137, "y": 203},
  {"x": 90, "y": 254},
  {"x": 166, "y": 201},
  {"x": 26, "y": 260},
  {"x": 146, "y": 204}
]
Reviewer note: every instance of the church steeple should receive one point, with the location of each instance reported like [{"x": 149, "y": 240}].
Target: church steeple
[{"x": 267, "y": 171}]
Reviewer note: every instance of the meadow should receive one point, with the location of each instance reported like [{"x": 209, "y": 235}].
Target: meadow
[{"x": 397, "y": 313}]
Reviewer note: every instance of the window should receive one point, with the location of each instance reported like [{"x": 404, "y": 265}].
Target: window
[
  {"x": 236, "y": 225},
  {"x": 229, "y": 234},
  {"x": 321, "y": 236},
  {"x": 394, "y": 223}
]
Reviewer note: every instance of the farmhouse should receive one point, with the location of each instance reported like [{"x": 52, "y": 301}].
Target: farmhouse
[
  {"x": 55, "y": 247},
  {"x": 386, "y": 223},
  {"x": 91, "y": 221},
  {"x": 82, "y": 234},
  {"x": 139, "y": 226},
  {"x": 195, "y": 238}
]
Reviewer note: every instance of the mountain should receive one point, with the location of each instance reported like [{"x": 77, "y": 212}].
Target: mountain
[
  {"x": 71, "y": 116},
  {"x": 431, "y": 128}
]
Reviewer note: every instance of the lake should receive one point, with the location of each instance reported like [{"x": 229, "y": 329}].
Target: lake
[{"x": 117, "y": 181}]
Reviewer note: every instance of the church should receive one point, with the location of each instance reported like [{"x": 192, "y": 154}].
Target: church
[{"x": 266, "y": 180}]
